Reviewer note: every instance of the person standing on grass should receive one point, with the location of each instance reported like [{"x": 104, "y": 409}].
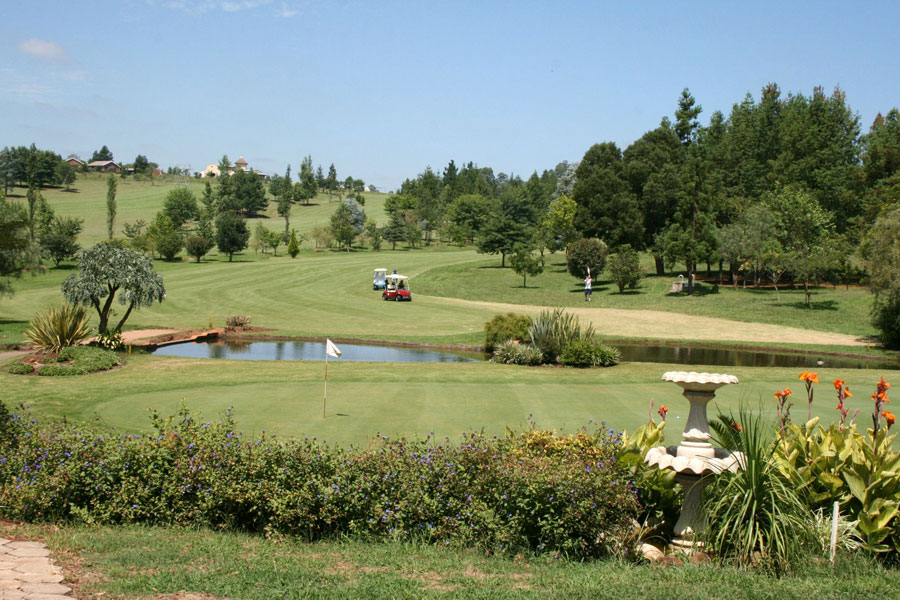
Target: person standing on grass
[{"x": 587, "y": 288}]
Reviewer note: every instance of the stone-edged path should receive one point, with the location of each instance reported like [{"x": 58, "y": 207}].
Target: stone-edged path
[{"x": 28, "y": 573}]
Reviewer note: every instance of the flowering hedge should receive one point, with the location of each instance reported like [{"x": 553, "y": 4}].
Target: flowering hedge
[{"x": 536, "y": 490}]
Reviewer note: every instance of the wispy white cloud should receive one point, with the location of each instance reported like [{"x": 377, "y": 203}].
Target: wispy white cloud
[
  {"x": 197, "y": 7},
  {"x": 44, "y": 50},
  {"x": 287, "y": 12}
]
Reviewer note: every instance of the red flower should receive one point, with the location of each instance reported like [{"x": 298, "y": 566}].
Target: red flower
[
  {"x": 883, "y": 386},
  {"x": 847, "y": 393},
  {"x": 889, "y": 417},
  {"x": 737, "y": 426},
  {"x": 838, "y": 384},
  {"x": 662, "y": 411}
]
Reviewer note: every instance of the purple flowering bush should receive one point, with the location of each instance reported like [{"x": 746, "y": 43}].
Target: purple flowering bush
[{"x": 537, "y": 490}]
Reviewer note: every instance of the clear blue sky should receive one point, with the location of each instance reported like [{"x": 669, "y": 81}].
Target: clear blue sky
[{"x": 383, "y": 89}]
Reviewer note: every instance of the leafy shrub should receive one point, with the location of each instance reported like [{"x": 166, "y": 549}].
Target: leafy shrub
[
  {"x": 529, "y": 491},
  {"x": 111, "y": 340},
  {"x": 86, "y": 359},
  {"x": 58, "y": 327},
  {"x": 60, "y": 371},
  {"x": 553, "y": 330},
  {"x": 502, "y": 328},
  {"x": 624, "y": 268},
  {"x": 237, "y": 321},
  {"x": 588, "y": 252},
  {"x": 587, "y": 353},
  {"x": 20, "y": 368},
  {"x": 512, "y": 353},
  {"x": 169, "y": 244}
]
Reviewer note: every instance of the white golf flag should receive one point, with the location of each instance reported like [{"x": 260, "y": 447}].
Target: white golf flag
[{"x": 331, "y": 349}]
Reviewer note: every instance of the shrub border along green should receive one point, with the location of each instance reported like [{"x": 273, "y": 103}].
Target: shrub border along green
[{"x": 535, "y": 490}]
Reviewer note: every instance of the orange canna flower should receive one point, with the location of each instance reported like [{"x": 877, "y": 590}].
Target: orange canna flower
[
  {"x": 809, "y": 377},
  {"x": 839, "y": 407},
  {"x": 737, "y": 426},
  {"x": 663, "y": 411},
  {"x": 838, "y": 384},
  {"x": 883, "y": 386},
  {"x": 847, "y": 393},
  {"x": 889, "y": 417}
]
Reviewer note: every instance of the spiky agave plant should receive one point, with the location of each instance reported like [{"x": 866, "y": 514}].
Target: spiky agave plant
[
  {"x": 58, "y": 327},
  {"x": 756, "y": 516}
]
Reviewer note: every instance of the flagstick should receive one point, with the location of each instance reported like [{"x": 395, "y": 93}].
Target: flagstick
[{"x": 325, "y": 397}]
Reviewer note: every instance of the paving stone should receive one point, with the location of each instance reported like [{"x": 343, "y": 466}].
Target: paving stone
[
  {"x": 44, "y": 597},
  {"x": 14, "y": 595},
  {"x": 4, "y": 541},
  {"x": 9, "y": 574},
  {"x": 9, "y": 584},
  {"x": 6, "y": 565},
  {"x": 40, "y": 577},
  {"x": 26, "y": 545},
  {"x": 46, "y": 588},
  {"x": 30, "y": 552}
]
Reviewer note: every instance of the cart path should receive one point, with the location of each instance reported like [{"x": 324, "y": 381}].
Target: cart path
[
  {"x": 27, "y": 571},
  {"x": 668, "y": 325}
]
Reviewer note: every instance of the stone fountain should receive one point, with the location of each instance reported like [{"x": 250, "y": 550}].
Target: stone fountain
[{"x": 695, "y": 460}]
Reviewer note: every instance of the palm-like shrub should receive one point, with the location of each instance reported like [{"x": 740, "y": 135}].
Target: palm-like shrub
[
  {"x": 58, "y": 327},
  {"x": 553, "y": 330},
  {"x": 757, "y": 516}
]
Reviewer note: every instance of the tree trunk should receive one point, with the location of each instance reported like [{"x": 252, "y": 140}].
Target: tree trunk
[
  {"x": 806, "y": 291},
  {"x": 721, "y": 264},
  {"x": 660, "y": 264},
  {"x": 230, "y": 254},
  {"x": 502, "y": 260}
]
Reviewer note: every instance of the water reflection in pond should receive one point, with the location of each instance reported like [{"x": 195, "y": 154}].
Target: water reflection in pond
[
  {"x": 311, "y": 351},
  {"x": 631, "y": 352},
  {"x": 684, "y": 355}
]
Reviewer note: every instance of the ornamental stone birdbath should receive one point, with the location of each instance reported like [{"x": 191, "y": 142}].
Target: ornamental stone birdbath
[{"x": 695, "y": 460}]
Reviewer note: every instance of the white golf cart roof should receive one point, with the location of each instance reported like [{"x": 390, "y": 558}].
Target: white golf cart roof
[
  {"x": 395, "y": 276},
  {"x": 381, "y": 270}
]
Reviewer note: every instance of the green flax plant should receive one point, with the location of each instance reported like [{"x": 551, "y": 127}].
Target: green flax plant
[{"x": 756, "y": 516}]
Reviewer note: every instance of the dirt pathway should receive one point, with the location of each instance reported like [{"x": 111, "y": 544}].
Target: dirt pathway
[{"x": 668, "y": 325}]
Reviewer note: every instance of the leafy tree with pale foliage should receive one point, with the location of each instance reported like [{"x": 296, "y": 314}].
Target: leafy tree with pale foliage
[
  {"x": 105, "y": 272},
  {"x": 624, "y": 267}
]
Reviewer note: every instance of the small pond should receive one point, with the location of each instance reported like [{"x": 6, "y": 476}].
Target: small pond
[
  {"x": 631, "y": 352},
  {"x": 311, "y": 351}
]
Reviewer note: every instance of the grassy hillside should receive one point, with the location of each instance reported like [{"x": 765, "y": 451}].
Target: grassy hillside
[
  {"x": 143, "y": 199},
  {"x": 839, "y": 310}
]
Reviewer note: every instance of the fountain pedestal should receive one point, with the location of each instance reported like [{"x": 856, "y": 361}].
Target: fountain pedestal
[{"x": 695, "y": 460}]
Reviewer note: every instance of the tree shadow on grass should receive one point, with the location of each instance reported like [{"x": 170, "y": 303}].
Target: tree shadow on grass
[
  {"x": 11, "y": 322},
  {"x": 629, "y": 293},
  {"x": 72, "y": 191},
  {"x": 594, "y": 289},
  {"x": 493, "y": 267},
  {"x": 829, "y": 305}
]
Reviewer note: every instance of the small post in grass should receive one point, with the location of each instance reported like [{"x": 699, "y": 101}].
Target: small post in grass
[
  {"x": 834, "y": 525},
  {"x": 330, "y": 350}
]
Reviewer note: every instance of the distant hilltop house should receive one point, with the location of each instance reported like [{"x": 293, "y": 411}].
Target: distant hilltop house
[
  {"x": 212, "y": 170},
  {"x": 75, "y": 161},
  {"x": 108, "y": 166}
]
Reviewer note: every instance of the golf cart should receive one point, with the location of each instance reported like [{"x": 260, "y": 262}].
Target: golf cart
[
  {"x": 397, "y": 288},
  {"x": 378, "y": 281}
]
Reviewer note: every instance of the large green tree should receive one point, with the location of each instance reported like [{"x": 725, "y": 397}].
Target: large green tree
[
  {"x": 180, "y": 205},
  {"x": 16, "y": 248},
  {"x": 607, "y": 208},
  {"x": 232, "y": 234},
  {"x": 106, "y": 272},
  {"x": 803, "y": 230}
]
